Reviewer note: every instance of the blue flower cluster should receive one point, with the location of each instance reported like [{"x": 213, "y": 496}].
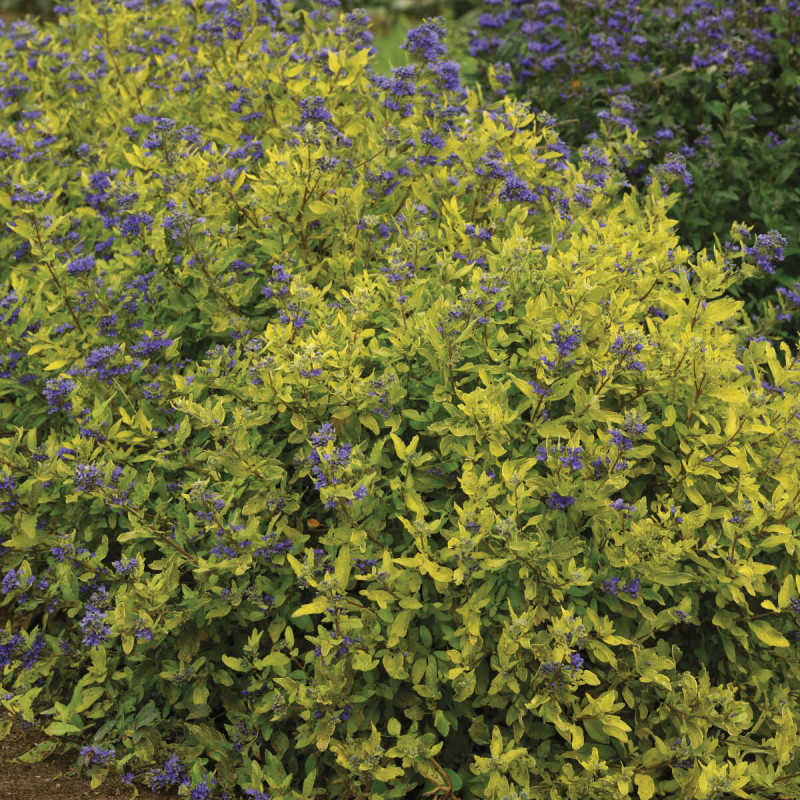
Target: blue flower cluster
[
  {"x": 612, "y": 587},
  {"x": 173, "y": 774}
]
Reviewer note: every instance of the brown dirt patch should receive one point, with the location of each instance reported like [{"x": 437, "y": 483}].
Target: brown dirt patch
[{"x": 55, "y": 778}]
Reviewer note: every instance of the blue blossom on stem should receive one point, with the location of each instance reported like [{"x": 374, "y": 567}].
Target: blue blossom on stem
[
  {"x": 565, "y": 343},
  {"x": 55, "y": 393},
  {"x": 79, "y": 266},
  {"x": 620, "y": 505},
  {"x": 142, "y": 631},
  {"x": 94, "y": 631},
  {"x": 768, "y": 249},
  {"x": 11, "y": 581},
  {"x": 312, "y": 109},
  {"x": 559, "y": 502},
  {"x": 364, "y": 565},
  {"x": 427, "y": 42},
  {"x": 613, "y": 588},
  {"x": 172, "y": 774},
  {"x": 94, "y": 754},
  {"x": 256, "y": 794},
  {"x": 126, "y": 566},
  {"x": 674, "y": 168},
  {"x": 87, "y": 477}
]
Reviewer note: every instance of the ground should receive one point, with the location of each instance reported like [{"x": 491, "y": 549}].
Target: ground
[{"x": 52, "y": 779}]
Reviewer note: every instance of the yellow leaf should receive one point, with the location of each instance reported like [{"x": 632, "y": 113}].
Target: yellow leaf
[
  {"x": 731, "y": 425},
  {"x": 318, "y": 207},
  {"x": 787, "y": 591},
  {"x": 370, "y": 422},
  {"x": 786, "y": 738},
  {"x": 333, "y": 62},
  {"x": 314, "y": 607},
  {"x": 767, "y": 634},
  {"x": 577, "y": 736},
  {"x": 239, "y": 181},
  {"x": 399, "y": 628},
  {"x": 342, "y": 568},
  {"x": 496, "y": 449},
  {"x": 646, "y": 786}
]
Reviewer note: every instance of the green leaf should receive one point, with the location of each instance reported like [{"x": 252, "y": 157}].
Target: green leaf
[
  {"x": 786, "y": 737},
  {"x": 234, "y": 663},
  {"x": 399, "y": 628},
  {"x": 441, "y": 723},
  {"x": 787, "y": 592},
  {"x": 38, "y": 753},
  {"x": 342, "y": 567},
  {"x": 363, "y": 661},
  {"x": 61, "y": 729}
]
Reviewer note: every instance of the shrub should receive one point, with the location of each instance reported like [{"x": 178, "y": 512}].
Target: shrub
[
  {"x": 357, "y": 442},
  {"x": 714, "y": 81}
]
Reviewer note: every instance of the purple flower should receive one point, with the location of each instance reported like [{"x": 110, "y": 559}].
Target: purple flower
[
  {"x": 565, "y": 343},
  {"x": 94, "y": 631},
  {"x": 200, "y": 792},
  {"x": 100, "y": 355},
  {"x": 364, "y": 565},
  {"x": 80, "y": 265},
  {"x": 132, "y": 224},
  {"x": 55, "y": 392},
  {"x": 323, "y": 435},
  {"x": 31, "y": 656},
  {"x": 87, "y": 477},
  {"x": 142, "y": 631},
  {"x": 627, "y": 347},
  {"x": 148, "y": 345},
  {"x": 674, "y": 168},
  {"x": 427, "y": 42},
  {"x": 613, "y": 588},
  {"x": 11, "y": 581},
  {"x": 9, "y": 149},
  {"x": 256, "y": 794},
  {"x": 632, "y": 588},
  {"x": 768, "y": 249},
  {"x": 571, "y": 457},
  {"x": 126, "y": 566},
  {"x": 93, "y": 754},
  {"x": 575, "y": 662},
  {"x": 620, "y": 505},
  {"x": 559, "y": 502},
  {"x": 312, "y": 109},
  {"x": 173, "y": 774}
]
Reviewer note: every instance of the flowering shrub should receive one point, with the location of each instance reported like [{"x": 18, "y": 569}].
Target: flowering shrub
[
  {"x": 358, "y": 443},
  {"x": 713, "y": 82}
]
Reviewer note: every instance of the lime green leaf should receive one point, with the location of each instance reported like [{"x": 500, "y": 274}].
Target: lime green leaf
[{"x": 767, "y": 634}]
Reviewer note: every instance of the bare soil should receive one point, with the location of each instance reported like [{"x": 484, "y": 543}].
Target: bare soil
[{"x": 56, "y": 777}]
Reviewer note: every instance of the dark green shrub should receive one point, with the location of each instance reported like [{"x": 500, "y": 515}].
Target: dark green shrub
[
  {"x": 715, "y": 81},
  {"x": 356, "y": 443}
]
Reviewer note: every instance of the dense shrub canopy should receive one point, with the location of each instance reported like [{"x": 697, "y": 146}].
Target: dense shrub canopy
[{"x": 358, "y": 442}]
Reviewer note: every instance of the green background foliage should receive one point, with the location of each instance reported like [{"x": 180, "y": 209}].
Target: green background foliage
[{"x": 719, "y": 78}]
